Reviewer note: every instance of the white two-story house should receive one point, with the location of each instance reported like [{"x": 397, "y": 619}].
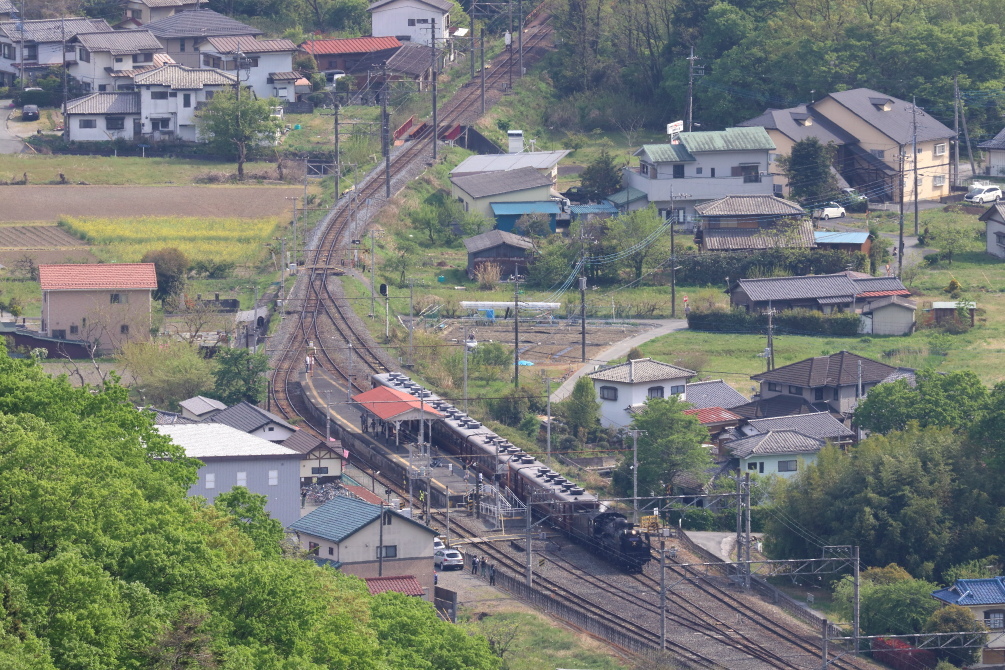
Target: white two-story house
[
  {"x": 264, "y": 66},
  {"x": 622, "y": 389},
  {"x": 411, "y": 20},
  {"x": 702, "y": 166},
  {"x": 39, "y": 45},
  {"x": 100, "y": 55}
]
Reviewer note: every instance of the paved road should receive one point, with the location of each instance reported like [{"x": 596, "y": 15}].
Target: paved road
[
  {"x": 663, "y": 327},
  {"x": 9, "y": 144}
]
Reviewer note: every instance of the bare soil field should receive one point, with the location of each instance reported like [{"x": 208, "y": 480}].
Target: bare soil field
[
  {"x": 45, "y": 256},
  {"x": 37, "y": 237},
  {"x": 48, "y": 203}
]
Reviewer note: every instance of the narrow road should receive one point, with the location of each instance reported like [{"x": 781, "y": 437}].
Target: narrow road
[{"x": 9, "y": 144}]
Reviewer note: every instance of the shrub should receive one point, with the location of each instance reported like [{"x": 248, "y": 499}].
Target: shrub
[
  {"x": 794, "y": 321},
  {"x": 713, "y": 268}
]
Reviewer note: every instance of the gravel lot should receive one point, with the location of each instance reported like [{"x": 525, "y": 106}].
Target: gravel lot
[{"x": 48, "y": 203}]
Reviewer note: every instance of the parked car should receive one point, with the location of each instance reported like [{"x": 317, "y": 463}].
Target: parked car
[
  {"x": 445, "y": 559},
  {"x": 29, "y": 113},
  {"x": 831, "y": 210},
  {"x": 438, "y": 544},
  {"x": 982, "y": 193},
  {"x": 576, "y": 194}
]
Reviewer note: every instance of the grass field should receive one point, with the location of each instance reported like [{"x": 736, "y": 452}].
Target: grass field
[
  {"x": 237, "y": 241},
  {"x": 100, "y": 170}
]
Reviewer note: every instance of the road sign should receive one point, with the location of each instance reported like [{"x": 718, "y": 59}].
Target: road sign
[{"x": 675, "y": 127}]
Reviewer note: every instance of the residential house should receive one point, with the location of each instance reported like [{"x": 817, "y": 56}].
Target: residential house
[
  {"x": 100, "y": 54},
  {"x": 106, "y": 304},
  {"x": 99, "y": 117},
  {"x": 629, "y": 385},
  {"x": 781, "y": 452},
  {"x": 506, "y": 250},
  {"x": 994, "y": 226},
  {"x": 344, "y": 54},
  {"x": 995, "y": 150},
  {"x": 140, "y": 12},
  {"x": 829, "y": 383},
  {"x": 713, "y": 393},
  {"x": 716, "y": 420},
  {"x": 170, "y": 95},
  {"x": 200, "y": 408},
  {"x": 232, "y": 457},
  {"x": 507, "y": 214},
  {"x": 872, "y": 131},
  {"x": 184, "y": 33},
  {"x": 368, "y": 540},
  {"x": 321, "y": 463},
  {"x": 545, "y": 162},
  {"x": 255, "y": 421},
  {"x": 477, "y": 192},
  {"x": 752, "y": 222},
  {"x": 821, "y": 425},
  {"x": 411, "y": 20},
  {"x": 629, "y": 199},
  {"x": 837, "y": 240},
  {"x": 266, "y": 66},
  {"x": 889, "y": 315},
  {"x": 701, "y": 166},
  {"x": 41, "y": 44},
  {"x": 9, "y": 10},
  {"x": 985, "y": 598},
  {"x": 838, "y": 292},
  {"x": 785, "y": 127},
  {"x": 782, "y": 405},
  {"x": 409, "y": 62}
]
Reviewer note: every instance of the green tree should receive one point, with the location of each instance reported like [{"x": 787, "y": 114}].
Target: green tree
[
  {"x": 171, "y": 266},
  {"x": 897, "y": 607},
  {"x": 240, "y": 375},
  {"x": 491, "y": 359},
  {"x": 247, "y": 510},
  {"x": 552, "y": 263},
  {"x": 511, "y": 407},
  {"x": 955, "y": 400},
  {"x": 581, "y": 409},
  {"x": 980, "y": 568},
  {"x": 956, "y": 619},
  {"x": 235, "y": 124},
  {"x": 601, "y": 177},
  {"x": 952, "y": 239},
  {"x": 670, "y": 445},
  {"x": 626, "y": 231},
  {"x": 808, "y": 169},
  {"x": 166, "y": 371}
]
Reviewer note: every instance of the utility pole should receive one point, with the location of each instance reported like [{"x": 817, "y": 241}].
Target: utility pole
[
  {"x": 900, "y": 248},
  {"x": 914, "y": 150},
  {"x": 549, "y": 419},
  {"x": 739, "y": 524},
  {"x": 411, "y": 320},
  {"x": 387, "y": 315},
  {"x": 690, "y": 92},
  {"x": 966, "y": 135},
  {"x": 856, "y": 613},
  {"x": 338, "y": 152},
  {"x": 663, "y": 595},
  {"x": 516, "y": 326},
  {"x": 465, "y": 370},
  {"x": 673, "y": 252},
  {"x": 386, "y": 135},
  {"x": 282, "y": 277},
  {"x": 436, "y": 125},
  {"x": 954, "y": 167},
  {"x": 328, "y": 417},
  {"x": 582, "y": 317},
  {"x": 380, "y": 542},
  {"x": 471, "y": 51},
  {"x": 519, "y": 38},
  {"x": 635, "y": 473},
  {"x": 530, "y": 516},
  {"x": 483, "y": 70},
  {"x": 746, "y": 571},
  {"x": 348, "y": 376},
  {"x": 373, "y": 263},
  {"x": 509, "y": 45},
  {"x": 770, "y": 353},
  {"x": 447, "y": 489},
  {"x": 825, "y": 637}
]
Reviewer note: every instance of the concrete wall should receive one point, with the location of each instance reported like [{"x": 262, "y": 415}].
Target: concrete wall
[
  {"x": 96, "y": 318},
  {"x": 272, "y": 432},
  {"x": 100, "y": 132},
  {"x": 392, "y": 19},
  {"x": 995, "y": 227},
  {"x": 483, "y": 206},
  {"x": 284, "y": 495},
  {"x": 768, "y": 463},
  {"x": 614, "y": 413}
]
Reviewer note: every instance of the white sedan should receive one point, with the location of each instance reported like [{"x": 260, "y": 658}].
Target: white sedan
[{"x": 831, "y": 210}]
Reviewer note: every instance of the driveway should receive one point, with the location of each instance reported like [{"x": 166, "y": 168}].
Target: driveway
[{"x": 9, "y": 144}]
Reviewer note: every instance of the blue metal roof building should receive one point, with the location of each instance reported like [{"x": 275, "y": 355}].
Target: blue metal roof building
[
  {"x": 967, "y": 592},
  {"x": 508, "y": 213},
  {"x": 839, "y": 237}
]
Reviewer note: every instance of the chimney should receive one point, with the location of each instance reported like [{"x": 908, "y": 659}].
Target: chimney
[
  {"x": 515, "y": 141},
  {"x": 631, "y": 371}
]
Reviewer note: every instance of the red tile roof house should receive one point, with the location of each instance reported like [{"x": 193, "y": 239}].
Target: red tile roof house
[{"x": 106, "y": 304}]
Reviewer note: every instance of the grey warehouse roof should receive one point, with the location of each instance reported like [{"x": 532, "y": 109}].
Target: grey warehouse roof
[
  {"x": 496, "y": 183},
  {"x": 541, "y": 160},
  {"x": 796, "y": 288},
  {"x": 245, "y": 416},
  {"x": 119, "y": 102},
  {"x": 214, "y": 440},
  {"x": 120, "y": 42},
  {"x": 730, "y": 239},
  {"x": 641, "y": 370},
  {"x": 494, "y": 238},
  {"x": 775, "y": 442},
  {"x": 713, "y": 393},
  {"x": 199, "y": 23}
]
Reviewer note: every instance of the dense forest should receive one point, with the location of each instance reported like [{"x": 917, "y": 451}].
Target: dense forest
[{"x": 754, "y": 54}]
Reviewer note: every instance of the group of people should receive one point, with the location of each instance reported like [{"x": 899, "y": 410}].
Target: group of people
[{"x": 480, "y": 566}]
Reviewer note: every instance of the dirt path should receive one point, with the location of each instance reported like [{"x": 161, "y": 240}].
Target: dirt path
[{"x": 48, "y": 203}]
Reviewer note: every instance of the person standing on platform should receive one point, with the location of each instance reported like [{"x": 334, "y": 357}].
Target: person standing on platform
[
  {"x": 492, "y": 575},
  {"x": 474, "y": 565}
]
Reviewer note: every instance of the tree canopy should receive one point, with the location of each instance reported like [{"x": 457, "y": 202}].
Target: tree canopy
[
  {"x": 808, "y": 169},
  {"x": 240, "y": 376},
  {"x": 235, "y": 124},
  {"x": 954, "y": 400}
]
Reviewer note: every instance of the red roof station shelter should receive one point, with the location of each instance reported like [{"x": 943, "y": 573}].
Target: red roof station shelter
[{"x": 387, "y": 411}]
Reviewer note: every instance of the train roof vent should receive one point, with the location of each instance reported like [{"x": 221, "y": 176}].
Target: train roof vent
[
  {"x": 527, "y": 459},
  {"x": 577, "y": 491}
]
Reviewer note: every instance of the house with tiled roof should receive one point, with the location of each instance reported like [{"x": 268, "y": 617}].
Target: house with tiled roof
[
  {"x": 752, "y": 223},
  {"x": 498, "y": 247},
  {"x": 184, "y": 33},
  {"x": 985, "y": 598},
  {"x": 99, "y": 54},
  {"x": 39, "y": 44},
  {"x": 231, "y": 457},
  {"x": 255, "y": 421},
  {"x": 624, "y": 388},
  {"x": 104, "y": 116},
  {"x": 345, "y": 54},
  {"x": 700, "y": 166},
  {"x": 321, "y": 462},
  {"x": 106, "y": 304},
  {"x": 367, "y": 540},
  {"x": 712, "y": 393},
  {"x": 995, "y": 150},
  {"x": 477, "y": 192},
  {"x": 829, "y": 383},
  {"x": 777, "y": 452},
  {"x": 140, "y": 12},
  {"x": 716, "y": 420},
  {"x": 419, "y": 21},
  {"x": 266, "y": 66}
]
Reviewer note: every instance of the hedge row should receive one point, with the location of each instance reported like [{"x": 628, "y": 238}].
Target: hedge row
[
  {"x": 712, "y": 268},
  {"x": 793, "y": 321}
]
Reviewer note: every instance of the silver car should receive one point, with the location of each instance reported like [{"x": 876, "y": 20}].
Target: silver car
[{"x": 446, "y": 559}]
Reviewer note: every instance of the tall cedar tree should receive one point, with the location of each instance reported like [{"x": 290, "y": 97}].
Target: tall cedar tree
[
  {"x": 601, "y": 178},
  {"x": 581, "y": 409},
  {"x": 808, "y": 169}
]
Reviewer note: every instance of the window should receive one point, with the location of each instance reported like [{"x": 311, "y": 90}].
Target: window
[
  {"x": 85, "y": 55},
  {"x": 388, "y": 517},
  {"x": 608, "y": 393},
  {"x": 319, "y": 471},
  {"x": 878, "y": 153},
  {"x": 411, "y": 22},
  {"x": 186, "y": 100},
  {"x": 136, "y": 14},
  {"x": 8, "y": 51},
  {"x": 422, "y": 21},
  {"x": 88, "y": 123},
  {"x": 31, "y": 52},
  {"x": 115, "y": 123},
  {"x": 313, "y": 548},
  {"x": 158, "y": 95},
  {"x": 74, "y": 330},
  {"x": 271, "y": 428},
  {"x": 143, "y": 58},
  {"x": 940, "y": 149},
  {"x": 116, "y": 299},
  {"x": 210, "y": 480},
  {"x": 678, "y": 171},
  {"x": 677, "y": 390},
  {"x": 698, "y": 170},
  {"x": 181, "y": 45},
  {"x": 273, "y": 477},
  {"x": 656, "y": 392},
  {"x": 59, "y": 334},
  {"x": 1000, "y": 239},
  {"x": 818, "y": 394},
  {"x": 788, "y": 466},
  {"x": 939, "y": 180},
  {"x": 102, "y": 87},
  {"x": 644, "y": 169},
  {"x": 331, "y": 551},
  {"x": 752, "y": 466},
  {"x": 160, "y": 124},
  {"x": 750, "y": 173},
  {"x": 390, "y": 551},
  {"x": 795, "y": 390},
  {"x": 124, "y": 329},
  {"x": 994, "y": 619},
  {"x": 242, "y": 478},
  {"x": 772, "y": 386},
  {"x": 837, "y": 394},
  {"x": 711, "y": 172}
]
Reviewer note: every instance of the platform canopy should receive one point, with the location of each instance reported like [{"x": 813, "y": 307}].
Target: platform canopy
[
  {"x": 537, "y": 306},
  {"x": 390, "y": 404}
]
